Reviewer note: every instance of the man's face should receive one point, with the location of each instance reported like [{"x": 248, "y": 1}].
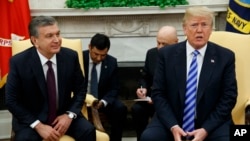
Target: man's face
[
  {"x": 48, "y": 41},
  {"x": 198, "y": 30},
  {"x": 165, "y": 41},
  {"x": 161, "y": 42},
  {"x": 97, "y": 55}
]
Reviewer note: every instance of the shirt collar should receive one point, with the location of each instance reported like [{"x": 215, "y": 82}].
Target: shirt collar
[
  {"x": 44, "y": 59},
  {"x": 90, "y": 60},
  {"x": 190, "y": 49}
]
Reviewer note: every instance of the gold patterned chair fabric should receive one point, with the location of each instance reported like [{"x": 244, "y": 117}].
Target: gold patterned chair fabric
[
  {"x": 240, "y": 45},
  {"x": 75, "y": 44}
]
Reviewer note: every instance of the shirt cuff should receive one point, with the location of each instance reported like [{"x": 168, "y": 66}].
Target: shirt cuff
[
  {"x": 173, "y": 127},
  {"x": 34, "y": 124},
  {"x": 104, "y": 102},
  {"x": 75, "y": 115},
  {"x": 148, "y": 98}
]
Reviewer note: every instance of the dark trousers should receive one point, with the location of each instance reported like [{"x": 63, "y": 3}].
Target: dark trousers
[
  {"x": 80, "y": 129},
  {"x": 117, "y": 115},
  {"x": 155, "y": 131},
  {"x": 141, "y": 114}
]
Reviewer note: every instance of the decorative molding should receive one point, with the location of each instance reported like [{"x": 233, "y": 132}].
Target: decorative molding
[
  {"x": 119, "y": 21},
  {"x": 117, "y": 26},
  {"x": 132, "y": 27}
]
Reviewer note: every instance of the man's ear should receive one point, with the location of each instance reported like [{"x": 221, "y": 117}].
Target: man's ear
[
  {"x": 34, "y": 41},
  {"x": 184, "y": 29}
]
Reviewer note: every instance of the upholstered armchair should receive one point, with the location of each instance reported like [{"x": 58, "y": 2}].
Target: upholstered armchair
[
  {"x": 240, "y": 45},
  {"x": 75, "y": 44}
]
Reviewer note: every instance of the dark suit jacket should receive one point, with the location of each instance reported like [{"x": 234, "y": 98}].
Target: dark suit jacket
[
  {"x": 217, "y": 88},
  {"x": 26, "y": 91},
  {"x": 108, "y": 85},
  {"x": 149, "y": 69}
]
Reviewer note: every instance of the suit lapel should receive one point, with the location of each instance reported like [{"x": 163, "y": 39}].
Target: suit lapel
[
  {"x": 181, "y": 69},
  {"x": 37, "y": 68},
  {"x": 103, "y": 71},
  {"x": 86, "y": 64},
  {"x": 207, "y": 70},
  {"x": 61, "y": 72}
]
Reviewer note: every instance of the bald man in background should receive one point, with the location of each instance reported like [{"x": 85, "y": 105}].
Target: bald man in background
[{"x": 143, "y": 110}]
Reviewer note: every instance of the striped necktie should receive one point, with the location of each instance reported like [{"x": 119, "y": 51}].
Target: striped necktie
[{"x": 190, "y": 97}]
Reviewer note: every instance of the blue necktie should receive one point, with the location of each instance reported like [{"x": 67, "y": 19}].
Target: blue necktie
[
  {"x": 94, "y": 81},
  {"x": 190, "y": 98},
  {"x": 51, "y": 86}
]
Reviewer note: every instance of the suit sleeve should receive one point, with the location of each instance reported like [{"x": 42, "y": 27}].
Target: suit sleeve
[
  {"x": 159, "y": 93},
  {"x": 13, "y": 93},
  {"x": 78, "y": 88},
  {"x": 228, "y": 95},
  {"x": 109, "y": 86}
]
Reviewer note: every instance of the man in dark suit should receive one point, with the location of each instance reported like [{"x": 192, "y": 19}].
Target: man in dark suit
[
  {"x": 215, "y": 88},
  {"x": 108, "y": 85},
  {"x": 41, "y": 112},
  {"x": 141, "y": 110}
]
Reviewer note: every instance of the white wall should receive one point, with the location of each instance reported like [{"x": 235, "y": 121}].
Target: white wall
[{"x": 5, "y": 124}]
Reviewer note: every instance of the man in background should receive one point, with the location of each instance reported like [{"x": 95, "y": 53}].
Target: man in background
[
  {"x": 102, "y": 82},
  {"x": 143, "y": 110}
]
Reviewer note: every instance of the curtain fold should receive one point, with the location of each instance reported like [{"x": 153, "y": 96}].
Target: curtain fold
[{"x": 15, "y": 17}]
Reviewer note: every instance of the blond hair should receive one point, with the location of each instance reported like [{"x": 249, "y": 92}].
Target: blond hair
[{"x": 198, "y": 11}]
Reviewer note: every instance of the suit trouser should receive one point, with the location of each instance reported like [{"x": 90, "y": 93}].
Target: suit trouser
[
  {"x": 80, "y": 129},
  {"x": 141, "y": 114},
  {"x": 117, "y": 115},
  {"x": 155, "y": 131}
]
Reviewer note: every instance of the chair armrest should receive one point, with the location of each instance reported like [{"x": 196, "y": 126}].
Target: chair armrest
[
  {"x": 89, "y": 100},
  {"x": 101, "y": 136},
  {"x": 96, "y": 119},
  {"x": 247, "y": 112}
]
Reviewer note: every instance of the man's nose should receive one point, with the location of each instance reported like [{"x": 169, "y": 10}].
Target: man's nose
[
  {"x": 56, "y": 38},
  {"x": 99, "y": 58}
]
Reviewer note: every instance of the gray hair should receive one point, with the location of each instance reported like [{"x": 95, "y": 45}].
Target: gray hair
[{"x": 40, "y": 21}]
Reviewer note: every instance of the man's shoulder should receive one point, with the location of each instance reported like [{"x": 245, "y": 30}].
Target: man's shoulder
[
  {"x": 64, "y": 51},
  {"x": 219, "y": 48},
  {"x": 152, "y": 49},
  {"x": 85, "y": 51},
  {"x": 67, "y": 49},
  {"x": 27, "y": 53},
  {"x": 111, "y": 58}
]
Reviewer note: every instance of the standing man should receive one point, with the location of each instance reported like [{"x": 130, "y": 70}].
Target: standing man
[
  {"x": 106, "y": 85},
  {"x": 142, "y": 111},
  {"x": 211, "y": 90},
  {"x": 39, "y": 86}
]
